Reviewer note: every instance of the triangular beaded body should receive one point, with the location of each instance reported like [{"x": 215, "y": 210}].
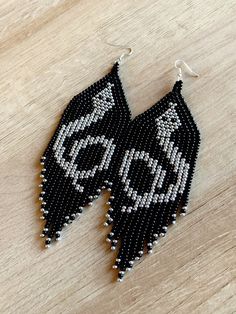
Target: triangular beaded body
[{"x": 146, "y": 163}]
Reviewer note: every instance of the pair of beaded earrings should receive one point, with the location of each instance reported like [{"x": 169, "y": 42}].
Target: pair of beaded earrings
[{"x": 146, "y": 164}]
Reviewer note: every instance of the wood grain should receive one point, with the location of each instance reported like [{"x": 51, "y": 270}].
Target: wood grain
[{"x": 52, "y": 50}]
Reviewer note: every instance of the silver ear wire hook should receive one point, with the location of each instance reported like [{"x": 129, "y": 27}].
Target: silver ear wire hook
[
  {"x": 123, "y": 55},
  {"x": 178, "y": 66}
]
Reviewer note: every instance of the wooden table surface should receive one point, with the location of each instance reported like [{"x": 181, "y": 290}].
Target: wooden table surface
[{"x": 51, "y": 50}]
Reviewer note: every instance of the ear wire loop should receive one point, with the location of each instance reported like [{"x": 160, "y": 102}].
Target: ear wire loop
[
  {"x": 179, "y": 63},
  {"x": 124, "y": 54}
]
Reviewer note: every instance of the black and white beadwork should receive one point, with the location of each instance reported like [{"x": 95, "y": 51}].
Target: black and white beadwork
[{"x": 146, "y": 163}]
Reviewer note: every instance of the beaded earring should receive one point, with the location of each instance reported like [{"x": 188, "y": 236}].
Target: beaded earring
[{"x": 146, "y": 164}]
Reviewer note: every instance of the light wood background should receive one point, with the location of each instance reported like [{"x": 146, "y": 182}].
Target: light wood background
[{"x": 53, "y": 49}]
